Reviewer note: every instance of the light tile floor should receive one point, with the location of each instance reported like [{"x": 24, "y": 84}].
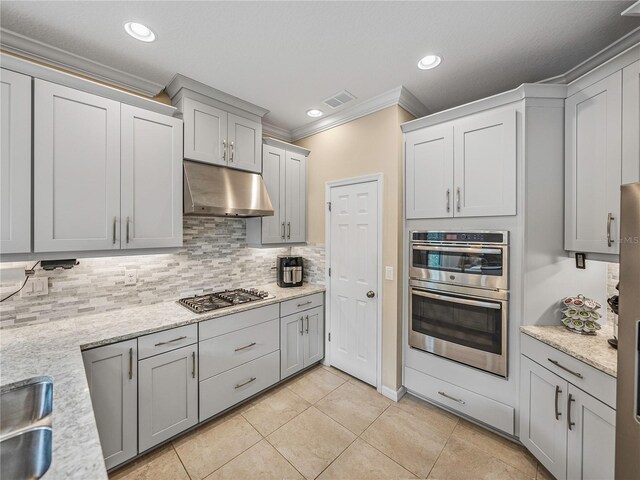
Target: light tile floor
[{"x": 325, "y": 424}]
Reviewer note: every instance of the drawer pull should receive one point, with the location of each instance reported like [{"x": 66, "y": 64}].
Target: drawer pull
[
  {"x": 558, "y": 392},
  {"x": 569, "y": 401},
  {"x": 304, "y": 303},
  {"x": 245, "y": 383},
  {"x": 171, "y": 341},
  {"x": 246, "y": 346},
  {"x": 452, "y": 398},
  {"x": 557, "y": 364}
]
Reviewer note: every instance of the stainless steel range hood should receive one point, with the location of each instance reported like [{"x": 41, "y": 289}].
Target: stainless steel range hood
[{"x": 218, "y": 191}]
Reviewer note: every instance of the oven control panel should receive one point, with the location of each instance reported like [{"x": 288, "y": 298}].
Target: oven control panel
[{"x": 461, "y": 237}]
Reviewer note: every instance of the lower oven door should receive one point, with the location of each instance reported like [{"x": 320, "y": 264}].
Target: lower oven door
[{"x": 466, "y": 328}]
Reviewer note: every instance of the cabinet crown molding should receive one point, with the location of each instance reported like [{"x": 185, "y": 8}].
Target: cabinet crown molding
[{"x": 274, "y": 142}]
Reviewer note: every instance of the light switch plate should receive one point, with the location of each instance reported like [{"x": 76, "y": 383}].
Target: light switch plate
[
  {"x": 35, "y": 287},
  {"x": 388, "y": 273},
  {"x": 130, "y": 277}
]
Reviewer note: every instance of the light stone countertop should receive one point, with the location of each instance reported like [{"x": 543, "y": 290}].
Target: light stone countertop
[
  {"x": 593, "y": 350},
  {"x": 54, "y": 349}
]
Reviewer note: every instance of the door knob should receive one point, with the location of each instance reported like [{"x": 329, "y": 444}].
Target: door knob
[{"x": 371, "y": 294}]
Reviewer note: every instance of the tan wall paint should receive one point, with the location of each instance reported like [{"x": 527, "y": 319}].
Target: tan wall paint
[{"x": 371, "y": 144}]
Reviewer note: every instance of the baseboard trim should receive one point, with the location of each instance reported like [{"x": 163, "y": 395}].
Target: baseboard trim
[{"x": 394, "y": 395}]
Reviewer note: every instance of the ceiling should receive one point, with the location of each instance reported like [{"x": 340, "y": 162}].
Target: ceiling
[{"x": 288, "y": 56}]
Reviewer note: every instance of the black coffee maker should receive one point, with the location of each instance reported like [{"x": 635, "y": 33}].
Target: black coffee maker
[{"x": 289, "y": 271}]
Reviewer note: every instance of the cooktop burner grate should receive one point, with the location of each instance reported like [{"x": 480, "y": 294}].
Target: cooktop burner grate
[{"x": 222, "y": 299}]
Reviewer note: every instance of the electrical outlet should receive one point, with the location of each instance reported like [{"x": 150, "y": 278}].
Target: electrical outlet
[
  {"x": 388, "y": 273},
  {"x": 130, "y": 277},
  {"x": 35, "y": 287}
]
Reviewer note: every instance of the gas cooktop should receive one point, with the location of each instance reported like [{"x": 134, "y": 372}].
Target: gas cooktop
[{"x": 223, "y": 299}]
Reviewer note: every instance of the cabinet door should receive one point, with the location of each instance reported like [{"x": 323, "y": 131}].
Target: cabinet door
[
  {"x": 291, "y": 345},
  {"x": 15, "y": 163},
  {"x": 245, "y": 144},
  {"x": 313, "y": 335},
  {"x": 429, "y": 172},
  {"x": 631, "y": 123},
  {"x": 113, "y": 384},
  {"x": 591, "y": 438},
  {"x": 543, "y": 427},
  {"x": 76, "y": 170},
  {"x": 205, "y": 132},
  {"x": 168, "y": 392},
  {"x": 485, "y": 164},
  {"x": 593, "y": 166},
  {"x": 151, "y": 179},
  {"x": 273, "y": 173},
  {"x": 296, "y": 197}
]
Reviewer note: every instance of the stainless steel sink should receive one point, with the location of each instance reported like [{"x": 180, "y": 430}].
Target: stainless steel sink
[{"x": 25, "y": 429}]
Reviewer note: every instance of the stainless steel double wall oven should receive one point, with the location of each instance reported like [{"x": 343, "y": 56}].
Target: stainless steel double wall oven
[{"x": 459, "y": 291}]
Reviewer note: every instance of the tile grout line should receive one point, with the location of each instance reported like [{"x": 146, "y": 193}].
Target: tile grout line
[
  {"x": 181, "y": 462},
  {"x": 443, "y": 447}
]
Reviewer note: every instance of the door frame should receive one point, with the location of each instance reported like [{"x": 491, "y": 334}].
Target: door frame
[{"x": 378, "y": 178}]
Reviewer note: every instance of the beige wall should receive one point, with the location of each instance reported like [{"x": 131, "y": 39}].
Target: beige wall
[{"x": 371, "y": 144}]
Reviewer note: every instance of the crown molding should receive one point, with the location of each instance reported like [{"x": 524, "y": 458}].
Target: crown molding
[
  {"x": 277, "y": 132},
  {"x": 276, "y": 142},
  {"x": 40, "y": 52}
]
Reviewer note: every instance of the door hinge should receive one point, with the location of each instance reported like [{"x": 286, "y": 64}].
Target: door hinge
[
  {"x": 329, "y": 271},
  {"x": 329, "y": 336},
  {"x": 329, "y": 205}
]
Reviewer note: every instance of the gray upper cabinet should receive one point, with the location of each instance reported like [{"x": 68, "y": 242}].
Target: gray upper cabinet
[
  {"x": 113, "y": 384},
  {"x": 76, "y": 170},
  {"x": 168, "y": 392},
  {"x": 205, "y": 132},
  {"x": 151, "y": 179},
  {"x": 285, "y": 175},
  {"x": 631, "y": 123},
  {"x": 593, "y": 166},
  {"x": 245, "y": 142},
  {"x": 15, "y": 163}
]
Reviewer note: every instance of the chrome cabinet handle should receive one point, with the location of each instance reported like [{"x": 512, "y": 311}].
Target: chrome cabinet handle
[
  {"x": 246, "y": 346},
  {"x": 448, "y": 200},
  {"x": 193, "y": 366},
  {"x": 288, "y": 230},
  {"x": 245, "y": 383},
  {"x": 307, "y": 330},
  {"x": 130, "y": 363},
  {"x": 282, "y": 230},
  {"x": 171, "y": 341},
  {"x": 304, "y": 303},
  {"x": 114, "y": 230},
  {"x": 458, "y": 198},
  {"x": 452, "y": 398},
  {"x": 610, "y": 218},
  {"x": 127, "y": 229},
  {"x": 569, "y": 422},
  {"x": 224, "y": 150},
  {"x": 233, "y": 151},
  {"x": 557, "y": 364},
  {"x": 301, "y": 325},
  {"x": 558, "y": 392}
]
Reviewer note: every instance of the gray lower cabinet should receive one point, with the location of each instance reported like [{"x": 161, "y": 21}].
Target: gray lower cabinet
[
  {"x": 168, "y": 392},
  {"x": 113, "y": 380},
  {"x": 301, "y": 340}
]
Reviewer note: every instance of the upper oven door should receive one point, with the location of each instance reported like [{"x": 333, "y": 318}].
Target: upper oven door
[{"x": 470, "y": 265}]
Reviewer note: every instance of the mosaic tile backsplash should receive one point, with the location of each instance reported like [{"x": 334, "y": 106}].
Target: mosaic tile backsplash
[{"x": 214, "y": 256}]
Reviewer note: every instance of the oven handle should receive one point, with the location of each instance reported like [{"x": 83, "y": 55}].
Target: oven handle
[
  {"x": 490, "y": 251},
  {"x": 463, "y": 301}
]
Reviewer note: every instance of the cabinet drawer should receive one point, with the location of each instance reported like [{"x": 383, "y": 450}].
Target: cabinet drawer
[
  {"x": 303, "y": 303},
  {"x": 167, "y": 340},
  {"x": 219, "y": 354},
  {"x": 230, "y": 323},
  {"x": 483, "y": 409},
  {"x": 583, "y": 376},
  {"x": 233, "y": 386}
]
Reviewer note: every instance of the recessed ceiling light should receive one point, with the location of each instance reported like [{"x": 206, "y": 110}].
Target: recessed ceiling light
[
  {"x": 314, "y": 112},
  {"x": 139, "y": 31},
  {"x": 429, "y": 62}
]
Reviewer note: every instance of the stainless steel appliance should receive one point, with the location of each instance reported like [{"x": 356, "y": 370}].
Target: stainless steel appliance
[
  {"x": 290, "y": 271},
  {"x": 226, "y": 298},
  {"x": 458, "y": 306},
  {"x": 628, "y": 385}
]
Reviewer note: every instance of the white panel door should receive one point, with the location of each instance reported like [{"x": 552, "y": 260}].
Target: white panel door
[
  {"x": 296, "y": 197},
  {"x": 485, "y": 164},
  {"x": 631, "y": 123},
  {"x": 168, "y": 395},
  {"x": 313, "y": 335},
  {"x": 354, "y": 273},
  {"x": 205, "y": 132},
  {"x": 291, "y": 345},
  {"x": 76, "y": 170},
  {"x": 591, "y": 438},
  {"x": 429, "y": 172},
  {"x": 593, "y": 166},
  {"x": 245, "y": 144},
  {"x": 112, "y": 375},
  {"x": 15, "y": 163},
  {"x": 543, "y": 416},
  {"x": 151, "y": 179},
  {"x": 273, "y": 173}
]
